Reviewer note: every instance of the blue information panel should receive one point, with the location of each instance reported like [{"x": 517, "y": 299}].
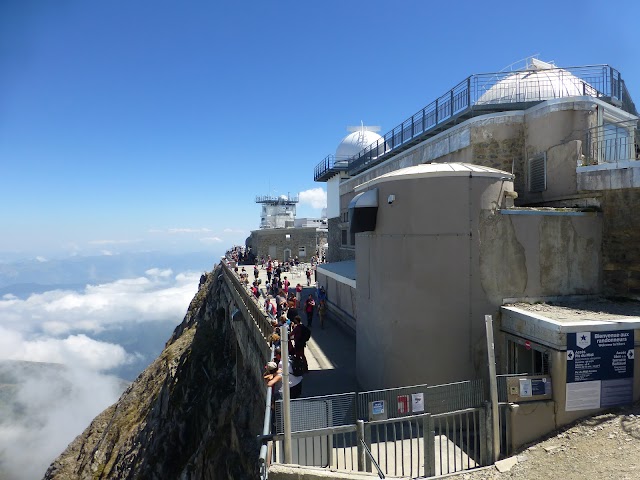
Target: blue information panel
[{"x": 599, "y": 369}]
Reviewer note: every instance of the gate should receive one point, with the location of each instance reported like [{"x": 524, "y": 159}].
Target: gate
[{"x": 424, "y": 430}]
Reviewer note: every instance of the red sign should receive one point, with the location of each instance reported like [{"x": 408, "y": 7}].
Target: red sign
[
  {"x": 403, "y": 404},
  {"x": 527, "y": 345}
]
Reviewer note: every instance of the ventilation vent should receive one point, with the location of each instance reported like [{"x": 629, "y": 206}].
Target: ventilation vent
[{"x": 538, "y": 173}]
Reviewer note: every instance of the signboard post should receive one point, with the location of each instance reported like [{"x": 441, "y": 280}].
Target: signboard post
[{"x": 599, "y": 369}]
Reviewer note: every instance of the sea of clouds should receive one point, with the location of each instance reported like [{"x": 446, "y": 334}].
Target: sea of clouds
[{"x": 69, "y": 327}]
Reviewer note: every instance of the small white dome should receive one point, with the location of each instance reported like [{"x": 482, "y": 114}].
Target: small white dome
[
  {"x": 541, "y": 81},
  {"x": 355, "y": 142}
]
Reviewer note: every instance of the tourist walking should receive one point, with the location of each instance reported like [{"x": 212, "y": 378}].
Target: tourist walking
[{"x": 309, "y": 306}]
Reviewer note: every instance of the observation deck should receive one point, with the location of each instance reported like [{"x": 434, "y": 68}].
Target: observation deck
[{"x": 480, "y": 94}]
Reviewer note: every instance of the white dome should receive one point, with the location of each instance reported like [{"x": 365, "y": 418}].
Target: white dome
[
  {"x": 355, "y": 142},
  {"x": 542, "y": 81}
]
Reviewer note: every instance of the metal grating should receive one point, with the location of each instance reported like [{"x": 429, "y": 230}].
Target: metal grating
[
  {"x": 437, "y": 398},
  {"x": 538, "y": 173},
  {"x": 319, "y": 412}
]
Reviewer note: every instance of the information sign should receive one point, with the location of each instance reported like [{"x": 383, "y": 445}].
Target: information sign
[
  {"x": 599, "y": 369},
  {"x": 403, "y": 404},
  {"x": 417, "y": 402}
]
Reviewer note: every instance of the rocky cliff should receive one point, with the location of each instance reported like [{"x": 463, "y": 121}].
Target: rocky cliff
[{"x": 192, "y": 414}]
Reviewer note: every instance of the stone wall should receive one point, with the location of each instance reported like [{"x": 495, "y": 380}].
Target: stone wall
[
  {"x": 336, "y": 253},
  {"x": 274, "y": 242},
  {"x": 621, "y": 241}
]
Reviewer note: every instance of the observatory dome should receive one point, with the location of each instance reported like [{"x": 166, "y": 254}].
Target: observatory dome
[
  {"x": 355, "y": 142},
  {"x": 540, "y": 81}
]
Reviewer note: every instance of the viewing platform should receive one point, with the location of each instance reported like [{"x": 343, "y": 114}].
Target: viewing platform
[{"x": 481, "y": 94}]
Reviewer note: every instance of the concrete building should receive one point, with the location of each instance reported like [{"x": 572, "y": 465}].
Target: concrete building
[
  {"x": 283, "y": 236},
  {"x": 511, "y": 187}
]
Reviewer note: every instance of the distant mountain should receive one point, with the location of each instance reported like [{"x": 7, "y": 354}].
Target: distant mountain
[{"x": 24, "y": 277}]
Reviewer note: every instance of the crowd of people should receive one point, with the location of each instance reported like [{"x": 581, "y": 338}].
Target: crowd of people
[{"x": 283, "y": 302}]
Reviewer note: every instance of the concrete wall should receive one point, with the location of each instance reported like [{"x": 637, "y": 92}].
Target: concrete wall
[
  {"x": 620, "y": 247},
  {"x": 539, "y": 254},
  {"x": 420, "y": 308},
  {"x": 443, "y": 256},
  {"x": 341, "y": 303}
]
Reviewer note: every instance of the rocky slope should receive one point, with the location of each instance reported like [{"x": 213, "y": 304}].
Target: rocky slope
[
  {"x": 602, "y": 447},
  {"x": 192, "y": 414}
]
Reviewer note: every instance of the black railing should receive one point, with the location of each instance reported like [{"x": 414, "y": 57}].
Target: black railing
[{"x": 484, "y": 93}]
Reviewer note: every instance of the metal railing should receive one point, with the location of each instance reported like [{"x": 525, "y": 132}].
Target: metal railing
[
  {"x": 249, "y": 301},
  {"x": 446, "y": 436},
  {"x": 612, "y": 143},
  {"x": 436, "y": 398},
  {"x": 264, "y": 457},
  {"x": 485, "y": 93},
  {"x": 421, "y": 445}
]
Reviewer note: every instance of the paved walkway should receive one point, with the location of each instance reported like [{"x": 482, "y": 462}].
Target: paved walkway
[{"x": 331, "y": 352}]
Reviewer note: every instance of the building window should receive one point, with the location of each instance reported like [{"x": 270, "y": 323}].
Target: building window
[
  {"x": 538, "y": 173},
  {"x": 344, "y": 237},
  {"x": 302, "y": 251},
  {"x": 287, "y": 236},
  {"x": 530, "y": 361}
]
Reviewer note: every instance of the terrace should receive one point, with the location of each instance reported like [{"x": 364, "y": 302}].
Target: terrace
[{"x": 480, "y": 94}]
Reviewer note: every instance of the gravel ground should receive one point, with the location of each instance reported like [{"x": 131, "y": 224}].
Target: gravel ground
[{"x": 605, "y": 446}]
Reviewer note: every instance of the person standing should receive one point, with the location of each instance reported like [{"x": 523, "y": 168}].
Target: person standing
[
  {"x": 269, "y": 271},
  {"x": 309, "y": 306},
  {"x": 322, "y": 312},
  {"x": 299, "y": 294},
  {"x": 308, "y": 277}
]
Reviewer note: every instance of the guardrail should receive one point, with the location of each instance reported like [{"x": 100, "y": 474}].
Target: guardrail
[
  {"x": 266, "y": 446},
  {"x": 612, "y": 143},
  {"x": 485, "y": 93},
  {"x": 249, "y": 301}
]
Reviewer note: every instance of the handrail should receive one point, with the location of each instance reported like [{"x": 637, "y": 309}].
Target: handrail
[
  {"x": 266, "y": 430},
  {"x": 475, "y": 93},
  {"x": 259, "y": 317}
]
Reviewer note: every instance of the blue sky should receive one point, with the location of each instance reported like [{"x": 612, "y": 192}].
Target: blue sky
[{"x": 153, "y": 124}]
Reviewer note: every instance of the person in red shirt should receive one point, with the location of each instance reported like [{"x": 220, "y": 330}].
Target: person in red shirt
[{"x": 309, "y": 306}]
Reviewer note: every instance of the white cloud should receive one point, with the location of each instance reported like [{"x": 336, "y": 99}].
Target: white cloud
[
  {"x": 188, "y": 230},
  {"x": 155, "y": 297},
  {"x": 113, "y": 242},
  {"x": 233, "y": 230},
  {"x": 55, "y": 406},
  {"x": 73, "y": 350},
  {"x": 316, "y": 197},
  {"x": 156, "y": 272},
  {"x": 211, "y": 240},
  {"x": 56, "y": 327},
  {"x": 41, "y": 259}
]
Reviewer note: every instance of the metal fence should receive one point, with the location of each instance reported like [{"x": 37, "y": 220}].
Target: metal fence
[
  {"x": 434, "y": 399},
  {"x": 319, "y": 412},
  {"x": 484, "y": 93},
  {"x": 612, "y": 143},
  {"x": 444, "y": 432}
]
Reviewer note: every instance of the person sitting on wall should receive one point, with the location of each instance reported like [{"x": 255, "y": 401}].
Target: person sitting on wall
[{"x": 275, "y": 381}]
